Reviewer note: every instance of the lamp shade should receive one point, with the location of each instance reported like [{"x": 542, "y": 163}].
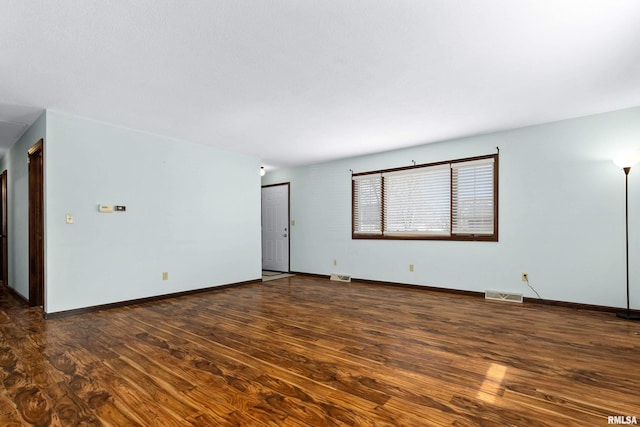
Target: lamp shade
[{"x": 626, "y": 161}]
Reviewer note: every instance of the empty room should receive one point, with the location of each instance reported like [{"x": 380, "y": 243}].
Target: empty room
[{"x": 320, "y": 213}]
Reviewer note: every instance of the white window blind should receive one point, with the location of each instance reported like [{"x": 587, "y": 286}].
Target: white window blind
[
  {"x": 453, "y": 200},
  {"x": 473, "y": 197},
  {"x": 417, "y": 201},
  {"x": 367, "y": 204}
]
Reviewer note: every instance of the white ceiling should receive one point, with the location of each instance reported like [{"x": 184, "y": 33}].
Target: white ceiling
[
  {"x": 297, "y": 82},
  {"x": 14, "y": 121}
]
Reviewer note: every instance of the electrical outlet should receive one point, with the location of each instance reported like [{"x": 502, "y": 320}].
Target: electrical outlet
[
  {"x": 525, "y": 277},
  {"x": 165, "y": 275},
  {"x": 411, "y": 268}
]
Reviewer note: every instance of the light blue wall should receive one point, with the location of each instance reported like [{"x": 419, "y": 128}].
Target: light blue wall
[
  {"x": 561, "y": 215},
  {"x": 192, "y": 210},
  {"x": 15, "y": 162}
]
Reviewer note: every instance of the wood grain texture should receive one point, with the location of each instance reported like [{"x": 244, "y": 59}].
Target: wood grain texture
[{"x": 304, "y": 351}]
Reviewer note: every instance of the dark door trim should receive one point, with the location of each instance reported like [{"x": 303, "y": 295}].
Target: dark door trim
[
  {"x": 36, "y": 224},
  {"x": 4, "y": 225}
]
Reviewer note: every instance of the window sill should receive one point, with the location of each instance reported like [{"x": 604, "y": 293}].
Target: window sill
[{"x": 455, "y": 237}]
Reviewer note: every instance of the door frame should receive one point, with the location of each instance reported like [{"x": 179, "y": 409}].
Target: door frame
[
  {"x": 288, "y": 184},
  {"x": 36, "y": 210},
  {"x": 4, "y": 228}
]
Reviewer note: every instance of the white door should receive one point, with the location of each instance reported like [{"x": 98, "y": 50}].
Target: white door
[{"x": 275, "y": 228}]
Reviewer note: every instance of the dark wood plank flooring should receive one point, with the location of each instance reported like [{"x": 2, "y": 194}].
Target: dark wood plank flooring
[{"x": 304, "y": 351}]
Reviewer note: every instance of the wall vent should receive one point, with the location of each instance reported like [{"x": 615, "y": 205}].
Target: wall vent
[
  {"x": 340, "y": 277},
  {"x": 502, "y": 296}
]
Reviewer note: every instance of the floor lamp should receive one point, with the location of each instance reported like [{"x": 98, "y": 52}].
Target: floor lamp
[{"x": 626, "y": 165}]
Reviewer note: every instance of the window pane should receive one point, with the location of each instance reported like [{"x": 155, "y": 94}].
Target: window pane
[
  {"x": 473, "y": 198},
  {"x": 367, "y": 208},
  {"x": 417, "y": 201}
]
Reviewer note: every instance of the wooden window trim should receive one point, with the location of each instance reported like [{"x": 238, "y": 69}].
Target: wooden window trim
[{"x": 452, "y": 236}]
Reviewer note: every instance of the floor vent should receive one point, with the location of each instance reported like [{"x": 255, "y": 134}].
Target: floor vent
[
  {"x": 340, "y": 278},
  {"x": 502, "y": 296}
]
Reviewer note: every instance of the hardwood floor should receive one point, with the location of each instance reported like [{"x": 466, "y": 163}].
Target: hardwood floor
[{"x": 304, "y": 351}]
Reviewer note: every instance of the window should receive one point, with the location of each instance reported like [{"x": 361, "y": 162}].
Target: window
[
  {"x": 454, "y": 200},
  {"x": 367, "y": 203},
  {"x": 417, "y": 201}
]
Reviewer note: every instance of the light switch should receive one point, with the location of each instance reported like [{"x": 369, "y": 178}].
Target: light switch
[
  {"x": 69, "y": 219},
  {"x": 105, "y": 208}
]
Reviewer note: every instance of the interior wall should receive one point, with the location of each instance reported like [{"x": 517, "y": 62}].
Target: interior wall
[
  {"x": 561, "y": 215},
  {"x": 191, "y": 210},
  {"x": 15, "y": 162}
]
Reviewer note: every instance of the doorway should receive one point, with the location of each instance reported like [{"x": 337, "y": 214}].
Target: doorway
[
  {"x": 275, "y": 228},
  {"x": 4, "y": 239},
  {"x": 36, "y": 225}
]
